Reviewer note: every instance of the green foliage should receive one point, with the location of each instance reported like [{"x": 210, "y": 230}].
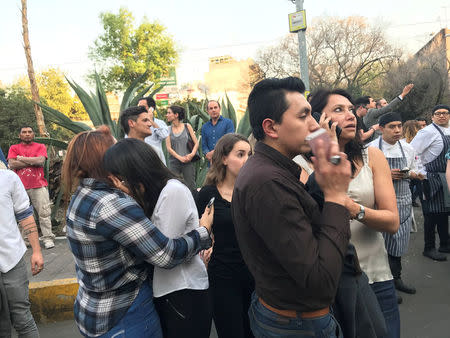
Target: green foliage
[
  {"x": 16, "y": 111},
  {"x": 55, "y": 92},
  {"x": 123, "y": 52},
  {"x": 244, "y": 127}
]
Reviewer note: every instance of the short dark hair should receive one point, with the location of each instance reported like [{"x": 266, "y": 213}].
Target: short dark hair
[
  {"x": 218, "y": 103},
  {"x": 178, "y": 110},
  {"x": 421, "y": 119},
  {"x": 26, "y": 127},
  {"x": 131, "y": 113},
  {"x": 362, "y": 101},
  {"x": 150, "y": 101},
  {"x": 137, "y": 164},
  {"x": 378, "y": 102},
  {"x": 268, "y": 100}
]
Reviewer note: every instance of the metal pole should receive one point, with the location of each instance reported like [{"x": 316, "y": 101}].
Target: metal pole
[{"x": 304, "y": 75}]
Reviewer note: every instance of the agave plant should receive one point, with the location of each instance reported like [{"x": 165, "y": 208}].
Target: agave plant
[{"x": 96, "y": 106}]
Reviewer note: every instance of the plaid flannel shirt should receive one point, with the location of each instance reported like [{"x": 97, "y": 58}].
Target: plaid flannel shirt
[{"x": 115, "y": 247}]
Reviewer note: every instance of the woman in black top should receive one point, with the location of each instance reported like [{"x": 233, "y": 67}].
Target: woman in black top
[{"x": 230, "y": 282}]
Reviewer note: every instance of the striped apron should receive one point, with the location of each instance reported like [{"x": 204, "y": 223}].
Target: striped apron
[
  {"x": 433, "y": 185},
  {"x": 397, "y": 244}
]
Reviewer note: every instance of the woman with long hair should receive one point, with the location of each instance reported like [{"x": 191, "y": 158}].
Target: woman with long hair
[
  {"x": 231, "y": 283},
  {"x": 410, "y": 129},
  {"x": 114, "y": 244},
  {"x": 181, "y": 293},
  {"x": 180, "y": 159},
  {"x": 371, "y": 202}
]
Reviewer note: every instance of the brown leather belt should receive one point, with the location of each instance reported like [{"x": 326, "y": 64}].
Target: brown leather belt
[{"x": 294, "y": 314}]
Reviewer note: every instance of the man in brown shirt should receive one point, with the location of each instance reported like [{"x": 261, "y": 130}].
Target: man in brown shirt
[{"x": 294, "y": 251}]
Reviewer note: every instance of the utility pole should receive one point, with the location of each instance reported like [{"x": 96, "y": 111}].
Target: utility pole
[
  {"x": 33, "y": 85},
  {"x": 304, "y": 75}
]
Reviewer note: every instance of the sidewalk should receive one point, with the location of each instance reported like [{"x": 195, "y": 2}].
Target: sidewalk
[{"x": 53, "y": 291}]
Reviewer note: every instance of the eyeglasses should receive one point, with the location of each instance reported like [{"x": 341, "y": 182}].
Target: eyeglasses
[{"x": 444, "y": 113}]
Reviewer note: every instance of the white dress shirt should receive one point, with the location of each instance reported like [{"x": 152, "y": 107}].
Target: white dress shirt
[
  {"x": 428, "y": 143},
  {"x": 393, "y": 150},
  {"x": 157, "y": 137},
  {"x": 13, "y": 201},
  {"x": 176, "y": 214}
]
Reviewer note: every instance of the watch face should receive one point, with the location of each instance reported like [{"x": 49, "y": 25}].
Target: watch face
[{"x": 360, "y": 216}]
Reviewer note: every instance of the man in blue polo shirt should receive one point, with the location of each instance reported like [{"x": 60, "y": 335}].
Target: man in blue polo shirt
[{"x": 214, "y": 129}]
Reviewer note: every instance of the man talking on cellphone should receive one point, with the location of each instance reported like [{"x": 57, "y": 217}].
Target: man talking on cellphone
[{"x": 294, "y": 251}]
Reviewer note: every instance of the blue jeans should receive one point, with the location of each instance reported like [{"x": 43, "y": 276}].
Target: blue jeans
[
  {"x": 141, "y": 319},
  {"x": 265, "y": 323},
  {"x": 387, "y": 298},
  {"x": 15, "y": 304}
]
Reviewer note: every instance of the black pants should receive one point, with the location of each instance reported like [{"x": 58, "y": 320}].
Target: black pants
[
  {"x": 185, "y": 313},
  {"x": 395, "y": 263},
  {"x": 416, "y": 189},
  {"x": 231, "y": 301},
  {"x": 431, "y": 221}
]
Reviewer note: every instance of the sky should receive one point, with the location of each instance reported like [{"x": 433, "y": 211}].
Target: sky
[{"x": 61, "y": 31}]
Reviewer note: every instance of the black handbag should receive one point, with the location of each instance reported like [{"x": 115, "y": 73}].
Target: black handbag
[{"x": 190, "y": 145}]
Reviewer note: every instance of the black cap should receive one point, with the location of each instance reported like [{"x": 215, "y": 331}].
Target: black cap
[{"x": 389, "y": 117}]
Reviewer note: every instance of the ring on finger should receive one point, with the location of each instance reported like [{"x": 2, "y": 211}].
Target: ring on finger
[{"x": 336, "y": 159}]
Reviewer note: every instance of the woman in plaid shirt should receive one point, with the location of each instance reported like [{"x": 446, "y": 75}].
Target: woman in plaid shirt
[{"x": 115, "y": 245}]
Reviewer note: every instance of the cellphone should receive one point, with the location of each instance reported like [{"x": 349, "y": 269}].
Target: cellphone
[
  {"x": 317, "y": 115},
  {"x": 211, "y": 201},
  {"x": 404, "y": 171},
  {"x": 319, "y": 134}
]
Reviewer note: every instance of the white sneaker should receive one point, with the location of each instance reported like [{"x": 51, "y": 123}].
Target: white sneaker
[{"x": 48, "y": 244}]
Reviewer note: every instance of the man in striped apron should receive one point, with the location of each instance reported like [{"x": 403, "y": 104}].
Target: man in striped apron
[
  {"x": 402, "y": 161},
  {"x": 431, "y": 144}
]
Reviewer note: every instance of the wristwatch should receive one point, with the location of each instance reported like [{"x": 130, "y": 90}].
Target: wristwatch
[{"x": 362, "y": 212}]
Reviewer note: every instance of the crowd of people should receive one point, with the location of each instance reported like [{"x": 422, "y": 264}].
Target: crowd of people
[{"x": 279, "y": 241}]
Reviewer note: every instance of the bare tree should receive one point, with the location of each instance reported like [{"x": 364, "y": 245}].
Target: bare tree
[
  {"x": 34, "y": 88},
  {"x": 429, "y": 71},
  {"x": 342, "y": 52}
]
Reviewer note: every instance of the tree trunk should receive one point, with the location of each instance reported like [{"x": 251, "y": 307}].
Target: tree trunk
[{"x": 33, "y": 84}]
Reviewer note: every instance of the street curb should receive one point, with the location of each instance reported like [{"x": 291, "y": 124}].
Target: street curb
[{"x": 53, "y": 301}]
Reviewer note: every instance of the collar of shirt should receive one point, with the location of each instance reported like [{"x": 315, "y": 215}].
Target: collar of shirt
[
  {"x": 219, "y": 119},
  {"x": 278, "y": 158}
]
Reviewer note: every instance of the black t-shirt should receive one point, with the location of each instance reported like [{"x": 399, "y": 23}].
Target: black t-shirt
[{"x": 226, "y": 258}]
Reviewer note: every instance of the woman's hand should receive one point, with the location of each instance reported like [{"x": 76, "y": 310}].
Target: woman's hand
[
  {"x": 352, "y": 207},
  {"x": 324, "y": 123},
  {"x": 119, "y": 184},
  {"x": 205, "y": 255},
  {"x": 207, "y": 218},
  {"x": 183, "y": 159}
]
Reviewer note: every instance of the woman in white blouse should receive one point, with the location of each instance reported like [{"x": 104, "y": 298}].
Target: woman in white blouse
[{"x": 181, "y": 293}]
